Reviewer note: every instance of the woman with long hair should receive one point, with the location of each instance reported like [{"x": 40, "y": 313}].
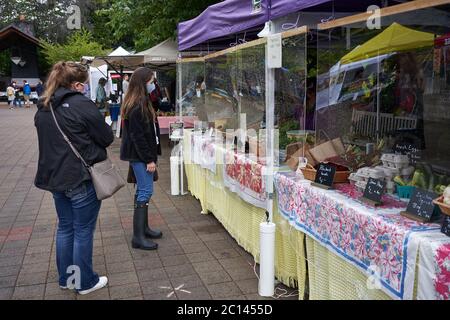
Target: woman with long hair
[
  {"x": 140, "y": 148},
  {"x": 61, "y": 172}
]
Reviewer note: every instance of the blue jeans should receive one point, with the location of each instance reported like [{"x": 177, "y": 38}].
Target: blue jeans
[
  {"x": 77, "y": 211},
  {"x": 144, "y": 179},
  {"x": 18, "y": 101}
]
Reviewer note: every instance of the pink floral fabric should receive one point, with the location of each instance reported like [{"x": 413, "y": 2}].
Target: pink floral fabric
[
  {"x": 442, "y": 271},
  {"x": 367, "y": 238},
  {"x": 245, "y": 176}
]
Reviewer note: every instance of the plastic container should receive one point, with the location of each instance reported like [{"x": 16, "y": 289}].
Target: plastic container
[{"x": 405, "y": 191}]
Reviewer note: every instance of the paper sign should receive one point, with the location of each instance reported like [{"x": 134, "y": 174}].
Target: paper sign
[{"x": 274, "y": 51}]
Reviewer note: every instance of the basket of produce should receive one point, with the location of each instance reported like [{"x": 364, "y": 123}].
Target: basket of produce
[
  {"x": 341, "y": 175},
  {"x": 444, "y": 201}
]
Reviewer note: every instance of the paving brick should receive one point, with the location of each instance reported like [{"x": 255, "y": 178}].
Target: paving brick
[
  {"x": 28, "y": 279},
  {"x": 190, "y": 281},
  {"x": 148, "y": 263},
  {"x": 222, "y": 290},
  {"x": 200, "y": 257},
  {"x": 6, "y": 293},
  {"x": 152, "y": 274},
  {"x": 207, "y": 266},
  {"x": 29, "y": 292},
  {"x": 178, "y": 271},
  {"x": 156, "y": 286},
  {"x": 248, "y": 286},
  {"x": 169, "y": 261},
  {"x": 215, "y": 277},
  {"x": 197, "y": 293},
  {"x": 8, "y": 281},
  {"x": 118, "y": 279},
  {"x": 125, "y": 291},
  {"x": 120, "y": 267}
]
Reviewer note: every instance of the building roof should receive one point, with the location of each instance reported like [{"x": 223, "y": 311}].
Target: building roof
[{"x": 11, "y": 35}]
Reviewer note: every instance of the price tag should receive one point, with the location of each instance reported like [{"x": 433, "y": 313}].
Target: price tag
[
  {"x": 325, "y": 176},
  {"x": 421, "y": 206},
  {"x": 374, "y": 191}
]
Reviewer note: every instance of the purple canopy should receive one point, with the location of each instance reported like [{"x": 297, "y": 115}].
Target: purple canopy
[
  {"x": 233, "y": 16},
  {"x": 220, "y": 19}
]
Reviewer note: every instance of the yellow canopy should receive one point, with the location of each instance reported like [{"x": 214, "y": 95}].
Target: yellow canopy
[{"x": 394, "y": 39}]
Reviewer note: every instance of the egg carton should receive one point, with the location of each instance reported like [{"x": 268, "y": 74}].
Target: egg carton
[
  {"x": 397, "y": 161},
  {"x": 353, "y": 178},
  {"x": 389, "y": 172},
  {"x": 361, "y": 185},
  {"x": 366, "y": 173}
]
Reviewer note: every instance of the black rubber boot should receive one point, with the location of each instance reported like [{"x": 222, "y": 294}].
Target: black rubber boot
[
  {"x": 140, "y": 216},
  {"x": 149, "y": 233}
]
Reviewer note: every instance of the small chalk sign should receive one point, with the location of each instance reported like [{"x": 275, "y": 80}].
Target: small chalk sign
[
  {"x": 446, "y": 226},
  {"x": 410, "y": 149},
  {"x": 421, "y": 206},
  {"x": 374, "y": 191},
  {"x": 325, "y": 176}
]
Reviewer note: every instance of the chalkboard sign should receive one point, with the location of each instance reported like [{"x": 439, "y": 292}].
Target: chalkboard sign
[
  {"x": 411, "y": 149},
  {"x": 421, "y": 206},
  {"x": 325, "y": 175},
  {"x": 374, "y": 191},
  {"x": 446, "y": 226}
]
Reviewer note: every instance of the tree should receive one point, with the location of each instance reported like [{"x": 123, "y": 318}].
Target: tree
[
  {"x": 47, "y": 16},
  {"x": 78, "y": 44},
  {"x": 149, "y": 22}
]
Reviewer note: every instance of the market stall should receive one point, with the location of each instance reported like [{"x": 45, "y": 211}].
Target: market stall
[{"x": 360, "y": 156}]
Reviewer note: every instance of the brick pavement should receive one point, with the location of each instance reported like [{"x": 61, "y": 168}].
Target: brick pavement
[{"x": 196, "y": 254}]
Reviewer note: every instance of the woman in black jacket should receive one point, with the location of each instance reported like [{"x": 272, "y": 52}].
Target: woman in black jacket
[
  {"x": 140, "y": 148},
  {"x": 63, "y": 174}
]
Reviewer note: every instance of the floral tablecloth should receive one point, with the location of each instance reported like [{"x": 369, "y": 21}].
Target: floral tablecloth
[
  {"x": 245, "y": 177},
  {"x": 434, "y": 271},
  {"x": 379, "y": 241}
]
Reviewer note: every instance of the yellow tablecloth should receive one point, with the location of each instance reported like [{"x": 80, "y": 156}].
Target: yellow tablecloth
[{"x": 300, "y": 261}]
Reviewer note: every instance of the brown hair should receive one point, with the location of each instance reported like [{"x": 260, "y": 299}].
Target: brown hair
[
  {"x": 63, "y": 74},
  {"x": 137, "y": 93}
]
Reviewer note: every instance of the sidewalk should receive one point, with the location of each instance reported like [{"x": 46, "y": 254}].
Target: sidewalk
[{"x": 196, "y": 258}]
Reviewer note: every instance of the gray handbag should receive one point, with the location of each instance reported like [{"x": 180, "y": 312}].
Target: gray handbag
[{"x": 105, "y": 177}]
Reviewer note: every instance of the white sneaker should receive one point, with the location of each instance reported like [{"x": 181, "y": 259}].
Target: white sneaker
[{"x": 102, "y": 281}]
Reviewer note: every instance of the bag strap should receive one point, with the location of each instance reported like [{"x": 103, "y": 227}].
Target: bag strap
[{"x": 67, "y": 139}]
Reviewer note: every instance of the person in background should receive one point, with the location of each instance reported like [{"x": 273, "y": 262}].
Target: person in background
[
  {"x": 17, "y": 100},
  {"x": 10, "y": 92},
  {"x": 100, "y": 97},
  {"x": 139, "y": 147},
  {"x": 62, "y": 173},
  {"x": 125, "y": 83},
  {"x": 26, "y": 93},
  {"x": 39, "y": 88}
]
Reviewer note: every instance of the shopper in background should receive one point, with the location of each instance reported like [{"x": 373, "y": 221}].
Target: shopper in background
[
  {"x": 100, "y": 97},
  {"x": 10, "y": 92},
  {"x": 39, "y": 88},
  {"x": 125, "y": 83},
  {"x": 17, "y": 100},
  {"x": 26, "y": 93},
  {"x": 61, "y": 172},
  {"x": 139, "y": 147}
]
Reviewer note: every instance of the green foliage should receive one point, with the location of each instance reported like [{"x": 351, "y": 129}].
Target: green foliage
[
  {"x": 148, "y": 22},
  {"x": 5, "y": 63},
  {"x": 78, "y": 44}
]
